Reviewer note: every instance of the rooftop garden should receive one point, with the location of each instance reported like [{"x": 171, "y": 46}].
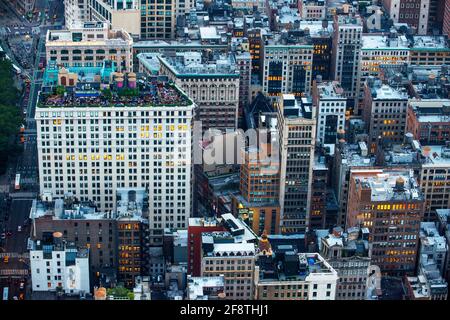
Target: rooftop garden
[{"x": 145, "y": 94}]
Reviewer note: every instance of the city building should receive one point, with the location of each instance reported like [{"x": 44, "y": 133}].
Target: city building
[
  {"x": 98, "y": 135},
  {"x": 312, "y": 9},
  {"x": 89, "y": 45},
  {"x": 286, "y": 274},
  {"x": 330, "y": 104},
  {"x": 213, "y": 86},
  {"x": 132, "y": 229},
  {"x": 142, "y": 288},
  {"x": 433, "y": 247},
  {"x": 158, "y": 20},
  {"x": 120, "y": 14},
  {"x": 287, "y": 68},
  {"x": 414, "y": 13},
  {"x": 379, "y": 50},
  {"x": 75, "y": 12},
  {"x": 256, "y": 48},
  {"x": 80, "y": 223},
  {"x": 427, "y": 286},
  {"x": 430, "y": 50},
  {"x": 248, "y": 5},
  {"x": 390, "y": 204},
  {"x": 321, "y": 34},
  {"x": 349, "y": 253},
  {"x": 384, "y": 112},
  {"x": 346, "y": 55},
  {"x": 434, "y": 178},
  {"x": 257, "y": 203},
  {"x": 297, "y": 131},
  {"x": 429, "y": 283},
  {"x": 244, "y": 64},
  {"x": 196, "y": 227},
  {"x": 318, "y": 209},
  {"x": 58, "y": 266},
  {"x": 230, "y": 253},
  {"x": 428, "y": 120},
  {"x": 348, "y": 157},
  {"x": 443, "y": 221},
  {"x": 205, "y": 288}
]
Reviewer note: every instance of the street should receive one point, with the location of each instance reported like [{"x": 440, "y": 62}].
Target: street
[{"x": 15, "y": 205}]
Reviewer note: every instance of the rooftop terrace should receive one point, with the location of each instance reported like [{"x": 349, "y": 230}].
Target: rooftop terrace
[{"x": 147, "y": 93}]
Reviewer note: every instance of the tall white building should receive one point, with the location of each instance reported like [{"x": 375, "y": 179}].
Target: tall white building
[
  {"x": 105, "y": 133},
  {"x": 120, "y": 14},
  {"x": 88, "y": 45},
  {"x": 330, "y": 105},
  {"x": 57, "y": 264},
  {"x": 75, "y": 12}
]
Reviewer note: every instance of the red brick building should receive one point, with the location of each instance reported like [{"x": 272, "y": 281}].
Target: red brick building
[
  {"x": 195, "y": 229},
  {"x": 429, "y": 121},
  {"x": 390, "y": 204}
]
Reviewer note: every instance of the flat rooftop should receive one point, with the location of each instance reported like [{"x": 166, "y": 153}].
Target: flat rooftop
[
  {"x": 330, "y": 90},
  {"x": 373, "y": 42},
  {"x": 65, "y": 210},
  {"x": 428, "y": 43},
  {"x": 392, "y": 186},
  {"x": 198, "y": 287},
  {"x": 131, "y": 203},
  {"x": 219, "y": 68},
  {"x": 78, "y": 37},
  {"x": 386, "y": 92},
  {"x": 203, "y": 222},
  {"x": 316, "y": 28},
  {"x": 174, "y": 44},
  {"x": 432, "y": 110},
  {"x": 352, "y": 156}
]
